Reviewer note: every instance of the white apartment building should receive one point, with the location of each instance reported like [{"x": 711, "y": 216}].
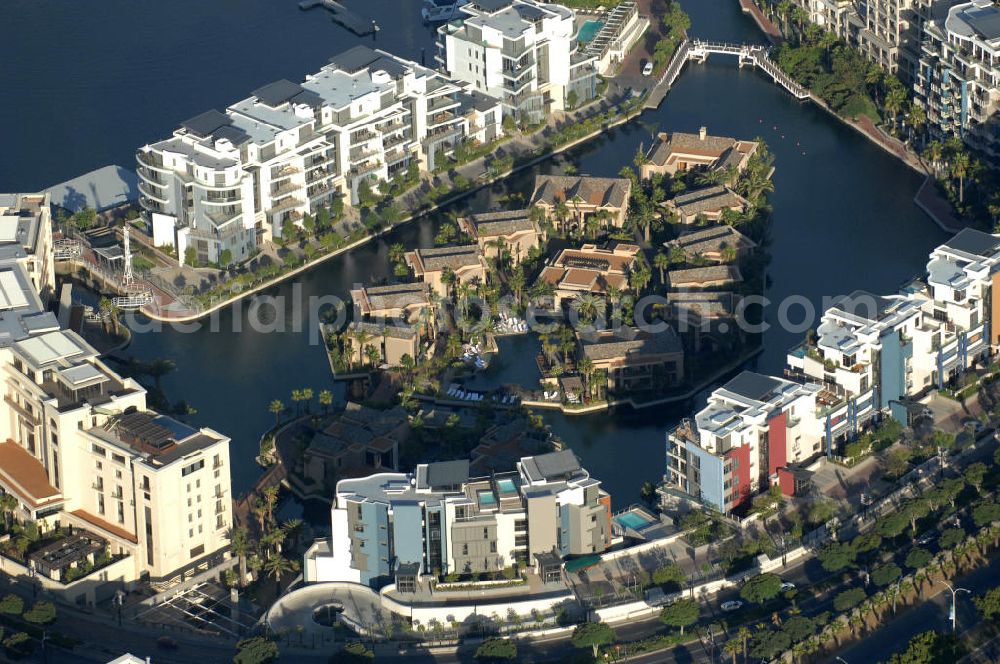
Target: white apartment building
[
  {"x": 79, "y": 447},
  {"x": 439, "y": 520},
  {"x": 225, "y": 181},
  {"x": 521, "y": 52},
  {"x": 744, "y": 440},
  {"x": 958, "y": 78}
]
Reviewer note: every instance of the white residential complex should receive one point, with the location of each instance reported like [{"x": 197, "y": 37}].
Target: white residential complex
[
  {"x": 439, "y": 520},
  {"x": 521, "y": 52},
  {"x": 958, "y": 79},
  {"x": 80, "y": 447},
  {"x": 225, "y": 181},
  {"x": 948, "y": 50},
  {"x": 871, "y": 356}
]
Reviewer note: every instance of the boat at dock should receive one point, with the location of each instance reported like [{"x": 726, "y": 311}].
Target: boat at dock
[{"x": 436, "y": 11}]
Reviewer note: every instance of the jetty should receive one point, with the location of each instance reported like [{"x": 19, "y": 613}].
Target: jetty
[{"x": 351, "y": 20}]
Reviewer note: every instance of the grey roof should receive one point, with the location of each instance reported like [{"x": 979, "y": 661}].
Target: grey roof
[
  {"x": 100, "y": 189},
  {"x": 555, "y": 465},
  {"x": 975, "y": 242},
  {"x": 629, "y": 342},
  {"x": 753, "y": 385},
  {"x": 601, "y": 192},
  {"x": 506, "y": 222},
  {"x": 712, "y": 240},
  {"x": 703, "y": 274},
  {"x": 710, "y": 146},
  {"x": 708, "y": 199},
  {"x": 492, "y": 5},
  {"x": 397, "y": 330},
  {"x": 985, "y": 20},
  {"x": 279, "y": 92},
  {"x": 447, "y": 473},
  {"x": 475, "y": 100},
  {"x": 865, "y": 305},
  {"x": 205, "y": 123},
  {"x": 438, "y": 258},
  {"x": 355, "y": 58}
]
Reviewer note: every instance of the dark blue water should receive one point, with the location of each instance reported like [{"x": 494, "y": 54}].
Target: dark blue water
[{"x": 83, "y": 87}]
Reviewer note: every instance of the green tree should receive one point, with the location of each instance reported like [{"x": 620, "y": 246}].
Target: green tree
[
  {"x": 256, "y": 650},
  {"x": 930, "y": 648},
  {"x": 494, "y": 650},
  {"x": 352, "y": 653},
  {"x": 41, "y": 613},
  {"x": 11, "y": 605},
  {"x": 681, "y": 613},
  {"x": 848, "y": 599},
  {"x": 670, "y": 574},
  {"x": 918, "y": 558},
  {"x": 951, "y": 537},
  {"x": 986, "y": 514},
  {"x": 893, "y": 525},
  {"x": 886, "y": 574},
  {"x": 593, "y": 635},
  {"x": 837, "y": 556},
  {"x": 974, "y": 474},
  {"x": 190, "y": 256},
  {"x": 989, "y": 604},
  {"x": 326, "y": 400},
  {"x": 761, "y": 588},
  {"x": 225, "y": 257}
]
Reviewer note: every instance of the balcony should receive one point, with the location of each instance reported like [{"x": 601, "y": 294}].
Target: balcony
[
  {"x": 364, "y": 169},
  {"x": 151, "y": 160},
  {"x": 223, "y": 217},
  {"x": 286, "y": 188},
  {"x": 146, "y": 190},
  {"x": 286, "y": 204}
]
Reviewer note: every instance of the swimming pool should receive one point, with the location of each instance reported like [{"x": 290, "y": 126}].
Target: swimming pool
[
  {"x": 506, "y": 486},
  {"x": 589, "y": 30},
  {"x": 487, "y": 499},
  {"x": 632, "y": 520}
]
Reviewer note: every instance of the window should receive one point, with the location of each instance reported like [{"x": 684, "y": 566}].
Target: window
[
  {"x": 198, "y": 550},
  {"x": 493, "y": 546},
  {"x": 486, "y": 533},
  {"x": 465, "y": 549},
  {"x": 98, "y": 465},
  {"x": 100, "y": 503},
  {"x": 97, "y": 449},
  {"x": 194, "y": 467}
]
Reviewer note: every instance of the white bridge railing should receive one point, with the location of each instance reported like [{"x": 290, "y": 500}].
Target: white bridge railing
[{"x": 750, "y": 53}]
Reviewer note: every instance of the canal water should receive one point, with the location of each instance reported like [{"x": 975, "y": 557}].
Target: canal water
[{"x": 84, "y": 87}]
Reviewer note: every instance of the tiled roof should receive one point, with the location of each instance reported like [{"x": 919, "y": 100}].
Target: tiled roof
[
  {"x": 396, "y": 331},
  {"x": 698, "y": 275},
  {"x": 629, "y": 342},
  {"x": 712, "y": 240},
  {"x": 600, "y": 192},
  {"x": 693, "y": 144},
  {"x": 708, "y": 199},
  {"x": 24, "y": 475},
  {"x": 106, "y": 526},
  {"x": 438, "y": 258},
  {"x": 495, "y": 224},
  {"x": 396, "y": 296}
]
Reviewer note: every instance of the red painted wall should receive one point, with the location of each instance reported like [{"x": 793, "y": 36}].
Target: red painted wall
[
  {"x": 777, "y": 445},
  {"x": 742, "y": 473},
  {"x": 786, "y": 481}
]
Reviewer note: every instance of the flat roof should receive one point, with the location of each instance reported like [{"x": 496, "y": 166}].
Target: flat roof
[
  {"x": 205, "y": 123},
  {"x": 972, "y": 241},
  {"x": 753, "y": 385},
  {"x": 447, "y": 473},
  {"x": 355, "y": 58}
]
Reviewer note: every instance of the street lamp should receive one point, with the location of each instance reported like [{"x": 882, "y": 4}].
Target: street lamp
[{"x": 952, "y": 614}]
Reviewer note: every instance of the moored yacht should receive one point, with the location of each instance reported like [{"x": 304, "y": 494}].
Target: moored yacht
[{"x": 441, "y": 10}]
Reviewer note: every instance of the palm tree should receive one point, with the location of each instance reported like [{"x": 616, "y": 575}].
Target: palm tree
[
  {"x": 588, "y": 307},
  {"x": 661, "y": 262},
  {"x": 326, "y": 400},
  {"x": 296, "y": 398},
  {"x": 448, "y": 278},
  {"x": 894, "y": 101},
  {"x": 586, "y": 367},
  {"x": 959, "y": 169},
  {"x": 157, "y": 369},
  {"x": 8, "y": 505},
  {"x": 516, "y": 283},
  {"x": 396, "y": 252},
  {"x": 934, "y": 152},
  {"x": 373, "y": 355},
  {"x": 561, "y": 212},
  {"x": 732, "y": 648},
  {"x": 677, "y": 255},
  {"x": 240, "y": 547},
  {"x": 307, "y": 396},
  {"x": 744, "y": 636},
  {"x": 276, "y": 566},
  {"x": 277, "y": 408}
]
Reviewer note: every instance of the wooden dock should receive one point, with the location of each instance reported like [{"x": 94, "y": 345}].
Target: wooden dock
[{"x": 351, "y": 20}]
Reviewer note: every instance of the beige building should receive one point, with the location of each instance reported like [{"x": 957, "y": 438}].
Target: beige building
[
  {"x": 635, "y": 360},
  {"x": 81, "y": 449},
  {"x": 708, "y": 204},
  {"x": 408, "y": 302},
  {"x": 589, "y": 270},
  {"x": 391, "y": 340},
  {"x": 570, "y": 201},
  {"x": 513, "y": 231},
  {"x": 678, "y": 151},
  {"x": 465, "y": 262},
  {"x": 713, "y": 243}
]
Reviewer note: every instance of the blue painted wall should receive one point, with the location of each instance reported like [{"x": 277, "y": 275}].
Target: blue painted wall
[
  {"x": 892, "y": 381},
  {"x": 376, "y": 537},
  {"x": 712, "y": 491},
  {"x": 407, "y": 532}
]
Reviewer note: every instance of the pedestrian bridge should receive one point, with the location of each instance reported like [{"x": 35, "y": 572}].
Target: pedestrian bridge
[{"x": 752, "y": 54}]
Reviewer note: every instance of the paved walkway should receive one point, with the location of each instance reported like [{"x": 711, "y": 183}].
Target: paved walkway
[{"x": 766, "y": 26}]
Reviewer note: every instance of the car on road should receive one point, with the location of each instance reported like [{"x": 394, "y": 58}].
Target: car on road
[
  {"x": 928, "y": 537},
  {"x": 647, "y": 69},
  {"x": 732, "y": 605},
  {"x": 786, "y": 586}
]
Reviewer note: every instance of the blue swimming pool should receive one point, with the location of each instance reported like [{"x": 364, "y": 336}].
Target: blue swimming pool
[
  {"x": 632, "y": 520},
  {"x": 589, "y": 30},
  {"x": 487, "y": 499},
  {"x": 506, "y": 486}
]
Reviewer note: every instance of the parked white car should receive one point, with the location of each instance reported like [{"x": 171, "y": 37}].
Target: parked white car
[
  {"x": 647, "y": 69},
  {"x": 786, "y": 586},
  {"x": 733, "y": 605}
]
